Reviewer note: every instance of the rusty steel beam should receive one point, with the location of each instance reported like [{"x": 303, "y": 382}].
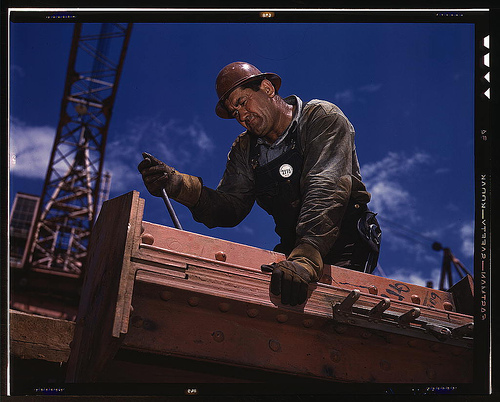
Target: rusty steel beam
[{"x": 169, "y": 292}]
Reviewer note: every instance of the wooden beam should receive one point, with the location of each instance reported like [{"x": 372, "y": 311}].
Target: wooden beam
[{"x": 41, "y": 338}]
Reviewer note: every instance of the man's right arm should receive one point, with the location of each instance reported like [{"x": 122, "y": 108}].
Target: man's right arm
[{"x": 234, "y": 197}]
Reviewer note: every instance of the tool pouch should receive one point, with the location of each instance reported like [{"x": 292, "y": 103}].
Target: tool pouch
[{"x": 371, "y": 234}]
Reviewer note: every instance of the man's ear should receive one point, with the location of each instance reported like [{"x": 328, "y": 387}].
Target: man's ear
[{"x": 268, "y": 88}]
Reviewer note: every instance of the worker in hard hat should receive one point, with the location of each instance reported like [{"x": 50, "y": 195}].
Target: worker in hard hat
[{"x": 298, "y": 161}]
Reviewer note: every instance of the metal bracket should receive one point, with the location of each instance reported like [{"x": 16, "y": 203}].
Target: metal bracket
[
  {"x": 466, "y": 330},
  {"x": 409, "y": 323}
]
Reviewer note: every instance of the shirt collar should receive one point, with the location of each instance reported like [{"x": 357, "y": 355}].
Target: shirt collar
[{"x": 297, "y": 113}]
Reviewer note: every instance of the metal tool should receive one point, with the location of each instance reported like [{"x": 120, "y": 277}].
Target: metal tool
[{"x": 165, "y": 198}]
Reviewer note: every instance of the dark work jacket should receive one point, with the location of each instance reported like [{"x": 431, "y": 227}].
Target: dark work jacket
[
  {"x": 329, "y": 180},
  {"x": 277, "y": 188}
]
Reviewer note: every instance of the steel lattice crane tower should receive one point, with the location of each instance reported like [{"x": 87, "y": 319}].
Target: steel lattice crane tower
[{"x": 74, "y": 179}]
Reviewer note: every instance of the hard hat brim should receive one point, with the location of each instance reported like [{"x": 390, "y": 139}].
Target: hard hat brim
[{"x": 221, "y": 110}]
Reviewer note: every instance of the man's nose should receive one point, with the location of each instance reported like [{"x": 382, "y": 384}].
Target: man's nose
[{"x": 242, "y": 114}]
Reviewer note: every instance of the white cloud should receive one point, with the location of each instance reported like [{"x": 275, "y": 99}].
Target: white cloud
[
  {"x": 467, "y": 236},
  {"x": 415, "y": 277},
  {"x": 180, "y": 145},
  {"x": 30, "y": 149},
  {"x": 384, "y": 180},
  {"x": 17, "y": 70},
  {"x": 346, "y": 96},
  {"x": 244, "y": 229},
  {"x": 370, "y": 88},
  {"x": 389, "y": 198},
  {"x": 351, "y": 95},
  {"x": 443, "y": 170}
]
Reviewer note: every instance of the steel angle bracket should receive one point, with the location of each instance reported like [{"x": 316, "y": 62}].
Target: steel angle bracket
[{"x": 409, "y": 323}]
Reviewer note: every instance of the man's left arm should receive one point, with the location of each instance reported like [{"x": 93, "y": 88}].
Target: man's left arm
[
  {"x": 328, "y": 143},
  {"x": 326, "y": 180}
]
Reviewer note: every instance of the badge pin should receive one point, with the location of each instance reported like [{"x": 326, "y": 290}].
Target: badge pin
[{"x": 286, "y": 170}]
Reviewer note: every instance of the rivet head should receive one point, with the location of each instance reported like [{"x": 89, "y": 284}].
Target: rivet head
[
  {"x": 373, "y": 290},
  {"x": 252, "y": 312},
  {"x": 335, "y": 356},
  {"x": 412, "y": 343},
  {"x": 274, "y": 345},
  {"x": 282, "y": 318},
  {"x": 220, "y": 256},
  {"x": 218, "y": 336},
  {"x": 224, "y": 307},
  {"x": 341, "y": 329},
  {"x": 166, "y": 295},
  {"x": 194, "y": 301},
  {"x": 435, "y": 347},
  {"x": 415, "y": 299},
  {"x": 147, "y": 238},
  {"x": 385, "y": 365},
  {"x": 448, "y": 306},
  {"x": 308, "y": 323},
  {"x": 431, "y": 373}
]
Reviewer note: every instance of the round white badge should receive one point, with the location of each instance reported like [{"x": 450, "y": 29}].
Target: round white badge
[{"x": 286, "y": 170}]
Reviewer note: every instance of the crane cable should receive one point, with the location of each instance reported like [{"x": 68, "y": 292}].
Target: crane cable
[{"x": 401, "y": 228}]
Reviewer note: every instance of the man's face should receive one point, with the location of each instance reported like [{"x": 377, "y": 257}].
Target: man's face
[{"x": 254, "y": 110}]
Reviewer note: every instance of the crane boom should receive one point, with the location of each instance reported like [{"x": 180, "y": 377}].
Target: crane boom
[{"x": 72, "y": 185}]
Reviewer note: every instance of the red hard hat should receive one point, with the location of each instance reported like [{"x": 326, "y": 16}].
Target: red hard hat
[{"x": 234, "y": 75}]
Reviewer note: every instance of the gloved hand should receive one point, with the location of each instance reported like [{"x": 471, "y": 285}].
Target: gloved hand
[
  {"x": 181, "y": 187},
  {"x": 291, "y": 277}
]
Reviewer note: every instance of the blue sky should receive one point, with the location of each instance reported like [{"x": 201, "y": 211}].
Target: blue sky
[{"x": 407, "y": 89}]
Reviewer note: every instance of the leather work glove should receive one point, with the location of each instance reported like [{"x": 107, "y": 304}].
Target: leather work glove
[
  {"x": 291, "y": 277},
  {"x": 156, "y": 175}
]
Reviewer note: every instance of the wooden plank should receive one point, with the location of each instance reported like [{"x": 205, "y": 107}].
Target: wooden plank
[
  {"x": 41, "y": 338},
  {"x": 105, "y": 303}
]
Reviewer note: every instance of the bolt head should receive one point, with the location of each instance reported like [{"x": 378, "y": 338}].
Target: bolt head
[
  {"x": 224, "y": 307},
  {"x": 252, "y": 312},
  {"x": 218, "y": 336},
  {"x": 147, "y": 238},
  {"x": 415, "y": 299},
  {"x": 220, "y": 256},
  {"x": 308, "y": 323},
  {"x": 194, "y": 301},
  {"x": 274, "y": 345},
  {"x": 166, "y": 295},
  {"x": 282, "y": 318},
  {"x": 335, "y": 356}
]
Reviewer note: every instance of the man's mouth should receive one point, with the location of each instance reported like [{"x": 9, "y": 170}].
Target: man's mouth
[{"x": 250, "y": 121}]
